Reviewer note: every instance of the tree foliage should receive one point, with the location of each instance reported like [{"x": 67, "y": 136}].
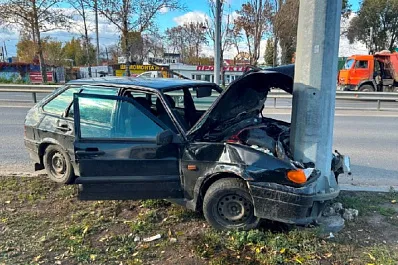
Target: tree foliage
[
  {"x": 381, "y": 15},
  {"x": 254, "y": 21},
  {"x": 55, "y": 53},
  {"x": 285, "y": 22},
  {"x": 187, "y": 40},
  {"x": 269, "y": 52}
]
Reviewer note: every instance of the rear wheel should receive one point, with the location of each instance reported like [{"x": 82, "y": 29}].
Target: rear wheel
[
  {"x": 57, "y": 164},
  {"x": 228, "y": 205},
  {"x": 366, "y": 88}
]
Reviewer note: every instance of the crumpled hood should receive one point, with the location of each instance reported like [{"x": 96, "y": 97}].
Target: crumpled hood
[{"x": 242, "y": 99}]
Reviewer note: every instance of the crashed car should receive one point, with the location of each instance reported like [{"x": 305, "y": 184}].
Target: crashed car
[{"x": 138, "y": 138}]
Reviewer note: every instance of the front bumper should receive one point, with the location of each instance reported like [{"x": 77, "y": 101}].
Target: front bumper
[{"x": 286, "y": 204}]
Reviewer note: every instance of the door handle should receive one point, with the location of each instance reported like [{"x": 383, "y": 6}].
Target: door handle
[
  {"x": 90, "y": 151},
  {"x": 63, "y": 127}
]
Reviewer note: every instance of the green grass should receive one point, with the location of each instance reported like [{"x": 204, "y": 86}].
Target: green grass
[
  {"x": 366, "y": 202},
  {"x": 42, "y": 222}
]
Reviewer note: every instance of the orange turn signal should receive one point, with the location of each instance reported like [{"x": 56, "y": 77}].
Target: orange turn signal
[{"x": 297, "y": 176}]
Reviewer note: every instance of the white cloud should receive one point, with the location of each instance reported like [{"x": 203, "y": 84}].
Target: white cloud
[
  {"x": 193, "y": 16},
  {"x": 164, "y": 10}
]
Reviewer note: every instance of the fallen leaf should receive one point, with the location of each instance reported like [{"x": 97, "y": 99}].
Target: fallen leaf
[
  {"x": 85, "y": 230},
  {"x": 135, "y": 254},
  {"x": 394, "y": 201},
  {"x": 36, "y": 259},
  {"x": 93, "y": 257},
  {"x": 7, "y": 202},
  {"x": 283, "y": 250},
  {"x": 328, "y": 255},
  {"x": 371, "y": 257}
]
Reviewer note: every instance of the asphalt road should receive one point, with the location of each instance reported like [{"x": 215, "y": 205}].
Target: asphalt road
[{"x": 370, "y": 138}]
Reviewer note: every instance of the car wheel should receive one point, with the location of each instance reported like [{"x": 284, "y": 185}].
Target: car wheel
[
  {"x": 366, "y": 88},
  {"x": 57, "y": 164},
  {"x": 228, "y": 205}
]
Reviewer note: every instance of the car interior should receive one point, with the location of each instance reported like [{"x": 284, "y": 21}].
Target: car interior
[{"x": 185, "y": 111}]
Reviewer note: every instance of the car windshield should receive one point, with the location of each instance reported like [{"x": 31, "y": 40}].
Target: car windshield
[
  {"x": 182, "y": 98},
  {"x": 189, "y": 103},
  {"x": 348, "y": 64}
]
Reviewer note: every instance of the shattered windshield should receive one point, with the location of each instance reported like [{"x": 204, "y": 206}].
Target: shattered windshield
[{"x": 348, "y": 64}]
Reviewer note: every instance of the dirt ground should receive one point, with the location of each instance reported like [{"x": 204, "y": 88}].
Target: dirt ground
[{"x": 43, "y": 223}]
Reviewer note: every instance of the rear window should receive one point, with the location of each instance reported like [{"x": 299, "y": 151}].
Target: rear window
[{"x": 60, "y": 103}]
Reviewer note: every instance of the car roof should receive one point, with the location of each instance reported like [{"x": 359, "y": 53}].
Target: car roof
[{"x": 161, "y": 84}]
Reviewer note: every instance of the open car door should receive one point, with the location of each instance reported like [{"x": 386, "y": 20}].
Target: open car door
[{"x": 117, "y": 153}]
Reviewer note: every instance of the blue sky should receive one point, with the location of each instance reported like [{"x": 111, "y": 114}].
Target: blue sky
[{"x": 196, "y": 11}]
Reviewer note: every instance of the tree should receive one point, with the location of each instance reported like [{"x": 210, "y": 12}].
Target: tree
[
  {"x": 195, "y": 37},
  {"x": 75, "y": 50},
  {"x": 284, "y": 23},
  {"x": 254, "y": 20},
  {"x": 82, "y": 7},
  {"x": 26, "y": 50},
  {"x": 53, "y": 52},
  {"x": 36, "y": 15},
  {"x": 133, "y": 16},
  {"x": 269, "y": 52},
  {"x": 135, "y": 46},
  {"x": 381, "y": 15},
  {"x": 187, "y": 40}
]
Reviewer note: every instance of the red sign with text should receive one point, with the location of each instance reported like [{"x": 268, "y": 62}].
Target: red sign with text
[
  {"x": 35, "y": 77},
  {"x": 225, "y": 68}
]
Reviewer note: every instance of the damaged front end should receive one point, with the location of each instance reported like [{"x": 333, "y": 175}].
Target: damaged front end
[{"x": 287, "y": 194}]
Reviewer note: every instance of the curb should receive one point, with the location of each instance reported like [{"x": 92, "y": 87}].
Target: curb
[{"x": 349, "y": 187}]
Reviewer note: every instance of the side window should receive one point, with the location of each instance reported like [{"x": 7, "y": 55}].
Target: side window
[
  {"x": 135, "y": 124},
  {"x": 114, "y": 119},
  {"x": 94, "y": 90},
  {"x": 361, "y": 64},
  {"x": 60, "y": 103}
]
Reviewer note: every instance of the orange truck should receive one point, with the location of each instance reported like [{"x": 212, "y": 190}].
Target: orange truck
[{"x": 370, "y": 73}]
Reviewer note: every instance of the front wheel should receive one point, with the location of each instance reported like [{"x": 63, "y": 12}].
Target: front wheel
[
  {"x": 228, "y": 205},
  {"x": 57, "y": 164},
  {"x": 366, "y": 88}
]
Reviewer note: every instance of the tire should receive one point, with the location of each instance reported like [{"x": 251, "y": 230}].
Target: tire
[
  {"x": 228, "y": 205},
  {"x": 57, "y": 164},
  {"x": 366, "y": 88}
]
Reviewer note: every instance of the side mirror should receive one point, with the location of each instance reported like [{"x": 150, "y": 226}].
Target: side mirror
[
  {"x": 202, "y": 92},
  {"x": 164, "y": 138}
]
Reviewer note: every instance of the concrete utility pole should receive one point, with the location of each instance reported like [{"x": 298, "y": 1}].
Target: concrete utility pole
[
  {"x": 217, "y": 43},
  {"x": 315, "y": 87},
  {"x": 96, "y": 29}
]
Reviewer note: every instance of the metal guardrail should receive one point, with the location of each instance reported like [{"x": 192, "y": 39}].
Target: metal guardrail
[{"x": 206, "y": 102}]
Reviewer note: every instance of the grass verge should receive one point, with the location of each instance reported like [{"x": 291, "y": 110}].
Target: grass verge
[{"x": 43, "y": 223}]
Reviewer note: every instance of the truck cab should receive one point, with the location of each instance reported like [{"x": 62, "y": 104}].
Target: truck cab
[{"x": 370, "y": 73}]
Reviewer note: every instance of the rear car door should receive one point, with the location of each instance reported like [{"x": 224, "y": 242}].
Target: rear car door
[{"x": 117, "y": 153}]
